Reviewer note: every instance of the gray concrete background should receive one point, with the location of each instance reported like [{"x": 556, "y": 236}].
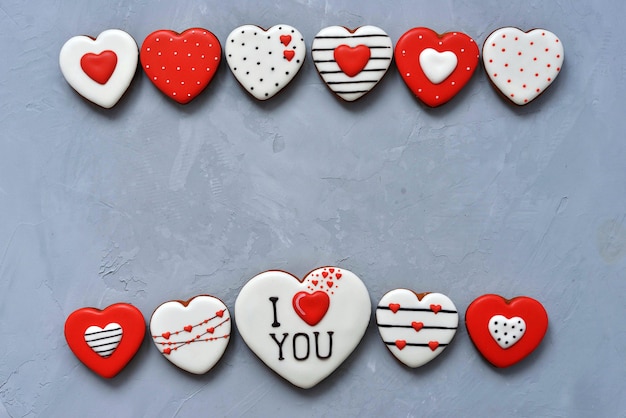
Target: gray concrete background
[{"x": 153, "y": 201}]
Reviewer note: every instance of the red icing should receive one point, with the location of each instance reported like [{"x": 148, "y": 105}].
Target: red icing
[
  {"x": 99, "y": 67},
  {"x": 285, "y": 39},
  {"x": 394, "y": 307},
  {"x": 352, "y": 60},
  {"x": 325, "y": 274},
  {"x": 435, "y": 308},
  {"x": 331, "y": 270},
  {"x": 166, "y": 335},
  {"x": 400, "y": 344},
  {"x": 188, "y": 328},
  {"x": 289, "y": 54},
  {"x": 407, "y": 52},
  {"x": 417, "y": 326},
  {"x": 338, "y": 276},
  {"x": 220, "y": 313},
  {"x": 315, "y": 282},
  {"x": 433, "y": 345},
  {"x": 329, "y": 284},
  {"x": 311, "y": 307},
  {"x": 210, "y": 330},
  {"x": 167, "y": 350}
]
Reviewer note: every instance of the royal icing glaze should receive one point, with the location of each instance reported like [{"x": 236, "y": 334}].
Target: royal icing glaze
[
  {"x": 100, "y": 69},
  {"x": 303, "y": 329},
  {"x": 416, "y": 328},
  {"x": 435, "y": 67},
  {"x": 351, "y": 62},
  {"x": 506, "y": 331},
  {"x": 181, "y": 65},
  {"x": 194, "y": 334},
  {"x": 105, "y": 340},
  {"x": 522, "y": 64},
  {"x": 265, "y": 61}
]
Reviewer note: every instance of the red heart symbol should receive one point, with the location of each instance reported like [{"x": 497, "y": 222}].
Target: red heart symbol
[
  {"x": 417, "y": 326},
  {"x": 166, "y": 335},
  {"x": 400, "y": 344},
  {"x": 315, "y": 282},
  {"x": 480, "y": 312},
  {"x": 285, "y": 40},
  {"x": 433, "y": 345},
  {"x": 133, "y": 328},
  {"x": 188, "y": 328},
  {"x": 435, "y": 308},
  {"x": 210, "y": 330},
  {"x": 220, "y": 313},
  {"x": 407, "y": 55},
  {"x": 329, "y": 284},
  {"x": 99, "y": 67},
  {"x": 289, "y": 54},
  {"x": 331, "y": 270},
  {"x": 311, "y": 307},
  {"x": 167, "y": 350},
  {"x": 394, "y": 307},
  {"x": 325, "y": 274},
  {"x": 338, "y": 276},
  {"x": 352, "y": 60},
  {"x": 181, "y": 65}
]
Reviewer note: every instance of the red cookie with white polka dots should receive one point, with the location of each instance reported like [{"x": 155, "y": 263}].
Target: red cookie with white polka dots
[
  {"x": 521, "y": 65},
  {"x": 435, "y": 67},
  {"x": 181, "y": 65}
]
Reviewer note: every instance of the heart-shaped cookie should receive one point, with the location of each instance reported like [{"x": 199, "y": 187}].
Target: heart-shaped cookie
[
  {"x": 265, "y": 61},
  {"x": 193, "y": 334},
  {"x": 416, "y": 327},
  {"x": 303, "y": 329},
  {"x": 435, "y": 67},
  {"x": 522, "y": 64},
  {"x": 100, "y": 69},
  {"x": 181, "y": 65},
  {"x": 506, "y": 331},
  {"x": 105, "y": 340},
  {"x": 351, "y": 62}
]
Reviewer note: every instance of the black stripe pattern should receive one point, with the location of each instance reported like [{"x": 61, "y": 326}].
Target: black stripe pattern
[{"x": 105, "y": 340}]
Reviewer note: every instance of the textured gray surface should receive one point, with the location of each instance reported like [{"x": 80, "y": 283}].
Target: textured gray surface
[{"x": 152, "y": 201}]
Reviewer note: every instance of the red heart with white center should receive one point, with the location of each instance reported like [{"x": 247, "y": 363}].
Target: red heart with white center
[
  {"x": 105, "y": 340},
  {"x": 506, "y": 331},
  {"x": 435, "y": 67},
  {"x": 303, "y": 329},
  {"x": 100, "y": 69},
  {"x": 181, "y": 65},
  {"x": 521, "y": 65}
]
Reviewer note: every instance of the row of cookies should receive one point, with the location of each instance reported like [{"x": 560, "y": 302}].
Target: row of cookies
[
  {"x": 304, "y": 329},
  {"x": 521, "y": 65}
]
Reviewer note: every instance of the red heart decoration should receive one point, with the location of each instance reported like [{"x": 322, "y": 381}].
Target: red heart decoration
[
  {"x": 329, "y": 284},
  {"x": 394, "y": 307},
  {"x": 311, "y": 307},
  {"x": 166, "y": 335},
  {"x": 331, "y": 270},
  {"x": 285, "y": 40},
  {"x": 220, "y": 313},
  {"x": 352, "y": 60},
  {"x": 480, "y": 312},
  {"x": 99, "y": 67},
  {"x": 188, "y": 328},
  {"x": 315, "y": 282},
  {"x": 133, "y": 327},
  {"x": 400, "y": 344},
  {"x": 210, "y": 330},
  {"x": 167, "y": 350},
  {"x": 338, "y": 276},
  {"x": 435, "y": 308},
  {"x": 433, "y": 345},
  {"x": 181, "y": 65},
  {"x": 407, "y": 56},
  {"x": 289, "y": 54},
  {"x": 325, "y": 274},
  {"x": 417, "y": 326}
]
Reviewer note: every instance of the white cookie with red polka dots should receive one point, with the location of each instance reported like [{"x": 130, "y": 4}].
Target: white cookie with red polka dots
[{"x": 522, "y": 64}]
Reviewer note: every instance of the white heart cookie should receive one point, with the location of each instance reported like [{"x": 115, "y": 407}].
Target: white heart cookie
[
  {"x": 100, "y": 69},
  {"x": 194, "y": 334},
  {"x": 437, "y": 66},
  {"x": 105, "y": 340},
  {"x": 416, "y": 328},
  {"x": 351, "y": 63},
  {"x": 506, "y": 331},
  {"x": 265, "y": 61},
  {"x": 522, "y": 64},
  {"x": 303, "y": 330}
]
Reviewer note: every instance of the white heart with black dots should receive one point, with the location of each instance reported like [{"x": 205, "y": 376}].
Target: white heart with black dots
[{"x": 506, "y": 331}]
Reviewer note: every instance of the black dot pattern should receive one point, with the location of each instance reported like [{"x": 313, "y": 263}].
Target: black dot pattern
[{"x": 506, "y": 331}]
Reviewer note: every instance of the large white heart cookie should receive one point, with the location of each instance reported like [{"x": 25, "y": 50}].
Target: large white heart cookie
[
  {"x": 265, "y": 61},
  {"x": 522, "y": 64},
  {"x": 194, "y": 334},
  {"x": 100, "y": 69},
  {"x": 416, "y": 328},
  {"x": 351, "y": 62},
  {"x": 303, "y": 330}
]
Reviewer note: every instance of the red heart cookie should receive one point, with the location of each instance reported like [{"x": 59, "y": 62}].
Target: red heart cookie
[
  {"x": 435, "y": 67},
  {"x": 506, "y": 331},
  {"x": 105, "y": 340},
  {"x": 181, "y": 65}
]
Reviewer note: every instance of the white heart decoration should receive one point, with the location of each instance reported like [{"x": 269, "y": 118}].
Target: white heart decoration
[
  {"x": 522, "y": 64},
  {"x": 193, "y": 335},
  {"x": 506, "y": 331},
  {"x": 437, "y": 66},
  {"x": 265, "y": 61},
  {"x": 115, "y": 41},
  {"x": 105, "y": 340},
  {"x": 303, "y": 330},
  {"x": 416, "y": 330}
]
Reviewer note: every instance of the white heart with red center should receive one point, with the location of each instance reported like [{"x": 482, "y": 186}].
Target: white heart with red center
[
  {"x": 72, "y": 60},
  {"x": 437, "y": 66},
  {"x": 105, "y": 340},
  {"x": 416, "y": 331},
  {"x": 506, "y": 331},
  {"x": 522, "y": 64},
  {"x": 303, "y": 330},
  {"x": 265, "y": 61},
  {"x": 192, "y": 335}
]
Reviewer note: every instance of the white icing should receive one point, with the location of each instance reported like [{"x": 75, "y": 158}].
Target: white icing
[
  {"x": 522, "y": 65},
  {"x": 209, "y": 334},
  {"x": 437, "y": 66},
  {"x": 344, "y": 86},
  {"x": 347, "y": 316},
  {"x": 108, "y": 94},
  {"x": 105, "y": 340},
  {"x": 506, "y": 331},
  {"x": 257, "y": 58},
  {"x": 416, "y": 325}
]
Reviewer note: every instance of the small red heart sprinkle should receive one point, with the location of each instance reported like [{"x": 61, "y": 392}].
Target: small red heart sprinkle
[
  {"x": 188, "y": 328},
  {"x": 329, "y": 284},
  {"x": 338, "y": 276},
  {"x": 400, "y": 344},
  {"x": 394, "y": 307},
  {"x": 167, "y": 350},
  {"x": 285, "y": 39},
  {"x": 220, "y": 313},
  {"x": 435, "y": 308},
  {"x": 210, "y": 330},
  {"x": 315, "y": 282},
  {"x": 325, "y": 274},
  {"x": 331, "y": 270},
  {"x": 433, "y": 345},
  {"x": 289, "y": 54},
  {"x": 166, "y": 335},
  {"x": 417, "y": 326}
]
